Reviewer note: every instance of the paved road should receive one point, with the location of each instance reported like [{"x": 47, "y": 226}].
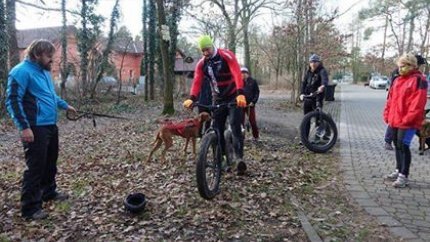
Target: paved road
[{"x": 365, "y": 164}]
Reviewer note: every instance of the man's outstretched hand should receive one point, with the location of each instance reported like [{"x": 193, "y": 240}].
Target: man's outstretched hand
[
  {"x": 71, "y": 109},
  {"x": 241, "y": 101},
  {"x": 188, "y": 103}
]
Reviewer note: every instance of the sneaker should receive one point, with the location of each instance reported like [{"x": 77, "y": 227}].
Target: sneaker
[
  {"x": 38, "y": 215},
  {"x": 388, "y": 146},
  {"x": 241, "y": 168},
  {"x": 393, "y": 176},
  {"x": 401, "y": 181},
  {"x": 59, "y": 196}
]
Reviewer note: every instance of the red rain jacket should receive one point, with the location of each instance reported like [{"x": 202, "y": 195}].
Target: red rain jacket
[
  {"x": 406, "y": 101},
  {"x": 227, "y": 73}
]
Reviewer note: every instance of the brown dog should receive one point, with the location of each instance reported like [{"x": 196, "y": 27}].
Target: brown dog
[
  {"x": 188, "y": 129},
  {"x": 424, "y": 134}
]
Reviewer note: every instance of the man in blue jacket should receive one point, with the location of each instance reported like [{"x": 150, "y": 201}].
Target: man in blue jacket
[{"x": 32, "y": 104}]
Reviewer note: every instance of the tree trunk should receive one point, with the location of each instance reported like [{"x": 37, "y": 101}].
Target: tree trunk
[
  {"x": 145, "y": 48},
  {"x": 120, "y": 71},
  {"x": 425, "y": 37},
  {"x": 246, "y": 48},
  {"x": 84, "y": 50},
  {"x": 11, "y": 29},
  {"x": 3, "y": 58},
  {"x": 384, "y": 43},
  {"x": 152, "y": 48},
  {"x": 105, "y": 57},
  {"x": 411, "y": 33},
  {"x": 164, "y": 48},
  {"x": 64, "y": 66}
]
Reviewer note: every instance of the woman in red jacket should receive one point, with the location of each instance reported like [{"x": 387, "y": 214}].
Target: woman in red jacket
[{"x": 404, "y": 111}]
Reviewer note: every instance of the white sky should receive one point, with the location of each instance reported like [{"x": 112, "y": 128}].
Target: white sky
[
  {"x": 131, "y": 16},
  {"x": 29, "y": 17}
]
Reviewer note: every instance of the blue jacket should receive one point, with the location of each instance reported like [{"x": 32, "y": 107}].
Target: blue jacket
[{"x": 31, "y": 99}]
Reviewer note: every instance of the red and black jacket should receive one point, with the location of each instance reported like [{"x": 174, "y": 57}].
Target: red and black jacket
[
  {"x": 227, "y": 74},
  {"x": 406, "y": 101}
]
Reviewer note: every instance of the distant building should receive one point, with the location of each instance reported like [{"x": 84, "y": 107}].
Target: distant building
[
  {"x": 126, "y": 55},
  {"x": 184, "y": 72}
]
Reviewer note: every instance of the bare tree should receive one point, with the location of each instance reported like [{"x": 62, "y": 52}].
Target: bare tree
[
  {"x": 106, "y": 52},
  {"x": 3, "y": 57},
  {"x": 165, "y": 38},
  {"x": 64, "y": 63},
  {"x": 11, "y": 29},
  {"x": 121, "y": 37},
  {"x": 145, "y": 65},
  {"x": 250, "y": 10},
  {"x": 151, "y": 48},
  {"x": 230, "y": 11}
]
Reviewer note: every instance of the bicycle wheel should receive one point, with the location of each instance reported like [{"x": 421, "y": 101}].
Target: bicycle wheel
[
  {"x": 322, "y": 134},
  {"x": 208, "y": 169}
]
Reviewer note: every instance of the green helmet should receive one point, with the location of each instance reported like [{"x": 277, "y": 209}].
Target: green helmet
[{"x": 205, "y": 41}]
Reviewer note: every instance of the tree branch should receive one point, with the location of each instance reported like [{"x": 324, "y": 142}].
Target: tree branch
[{"x": 45, "y": 8}]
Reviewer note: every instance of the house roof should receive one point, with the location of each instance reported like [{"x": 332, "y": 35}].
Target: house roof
[
  {"x": 124, "y": 45},
  {"x": 186, "y": 64},
  {"x": 26, "y": 36}
]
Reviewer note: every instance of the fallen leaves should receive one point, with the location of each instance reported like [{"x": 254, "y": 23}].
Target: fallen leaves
[{"x": 99, "y": 166}]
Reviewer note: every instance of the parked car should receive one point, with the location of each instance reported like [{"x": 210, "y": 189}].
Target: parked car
[{"x": 378, "y": 82}]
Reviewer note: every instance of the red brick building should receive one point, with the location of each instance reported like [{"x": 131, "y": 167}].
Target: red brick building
[{"x": 125, "y": 56}]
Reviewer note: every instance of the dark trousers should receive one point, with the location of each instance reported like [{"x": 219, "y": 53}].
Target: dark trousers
[
  {"x": 402, "y": 141},
  {"x": 39, "y": 177},
  {"x": 250, "y": 111},
  {"x": 234, "y": 115},
  {"x": 310, "y": 105}
]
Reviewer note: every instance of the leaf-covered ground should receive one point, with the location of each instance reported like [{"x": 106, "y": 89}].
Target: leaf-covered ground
[{"x": 99, "y": 166}]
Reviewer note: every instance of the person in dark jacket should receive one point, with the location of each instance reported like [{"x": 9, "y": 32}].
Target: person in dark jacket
[
  {"x": 32, "y": 103},
  {"x": 315, "y": 80},
  {"x": 252, "y": 92}
]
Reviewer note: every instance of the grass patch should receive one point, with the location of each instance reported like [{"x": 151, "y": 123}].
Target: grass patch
[
  {"x": 79, "y": 187},
  {"x": 122, "y": 108},
  {"x": 48, "y": 224},
  {"x": 363, "y": 234},
  {"x": 4, "y": 238},
  {"x": 63, "y": 207},
  {"x": 12, "y": 175}
]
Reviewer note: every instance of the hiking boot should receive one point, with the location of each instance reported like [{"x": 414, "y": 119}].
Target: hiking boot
[
  {"x": 58, "y": 196},
  {"x": 401, "y": 181},
  {"x": 388, "y": 146},
  {"x": 241, "y": 168},
  {"x": 393, "y": 176},
  {"x": 38, "y": 215}
]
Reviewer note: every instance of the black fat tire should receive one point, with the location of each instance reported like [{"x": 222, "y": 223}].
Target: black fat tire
[
  {"x": 208, "y": 144},
  {"x": 305, "y": 141}
]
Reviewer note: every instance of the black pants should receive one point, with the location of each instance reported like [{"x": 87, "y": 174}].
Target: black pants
[
  {"x": 310, "y": 105},
  {"x": 39, "y": 177},
  {"x": 234, "y": 115},
  {"x": 402, "y": 141}
]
